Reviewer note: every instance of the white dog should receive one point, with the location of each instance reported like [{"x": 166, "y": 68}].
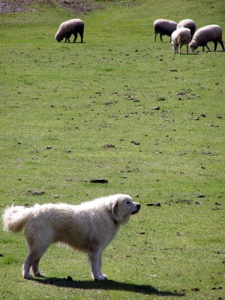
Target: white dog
[{"x": 88, "y": 227}]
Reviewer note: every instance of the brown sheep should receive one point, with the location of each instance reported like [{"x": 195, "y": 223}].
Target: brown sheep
[
  {"x": 209, "y": 33},
  {"x": 164, "y": 27},
  {"x": 67, "y": 28}
]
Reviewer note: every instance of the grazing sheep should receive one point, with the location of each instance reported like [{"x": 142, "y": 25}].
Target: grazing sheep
[
  {"x": 180, "y": 37},
  {"x": 67, "y": 28},
  {"x": 187, "y": 23},
  {"x": 209, "y": 33},
  {"x": 164, "y": 27}
]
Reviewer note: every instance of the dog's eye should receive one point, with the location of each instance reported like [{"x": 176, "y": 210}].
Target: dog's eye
[{"x": 128, "y": 202}]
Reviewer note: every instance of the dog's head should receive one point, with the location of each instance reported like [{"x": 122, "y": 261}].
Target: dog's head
[{"x": 123, "y": 207}]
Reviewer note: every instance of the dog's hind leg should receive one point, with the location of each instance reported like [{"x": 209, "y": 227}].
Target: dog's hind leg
[
  {"x": 38, "y": 242},
  {"x": 95, "y": 258},
  {"x": 36, "y": 251},
  {"x": 27, "y": 265},
  {"x": 35, "y": 269},
  {"x": 32, "y": 261}
]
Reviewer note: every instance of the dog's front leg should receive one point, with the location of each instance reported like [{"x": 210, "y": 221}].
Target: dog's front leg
[{"x": 95, "y": 258}]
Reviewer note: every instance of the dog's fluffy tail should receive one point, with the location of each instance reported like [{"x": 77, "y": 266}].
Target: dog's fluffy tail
[{"x": 15, "y": 218}]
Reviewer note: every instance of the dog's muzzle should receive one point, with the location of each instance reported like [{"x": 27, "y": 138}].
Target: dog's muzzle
[{"x": 138, "y": 206}]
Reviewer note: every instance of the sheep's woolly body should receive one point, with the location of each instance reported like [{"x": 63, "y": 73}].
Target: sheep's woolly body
[
  {"x": 164, "y": 27},
  {"x": 209, "y": 33},
  {"x": 180, "y": 37},
  {"x": 67, "y": 28},
  {"x": 187, "y": 23}
]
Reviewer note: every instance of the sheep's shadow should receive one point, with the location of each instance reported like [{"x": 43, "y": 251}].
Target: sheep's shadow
[
  {"x": 105, "y": 285},
  {"x": 197, "y": 52}
]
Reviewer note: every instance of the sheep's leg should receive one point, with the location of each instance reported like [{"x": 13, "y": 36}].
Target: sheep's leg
[
  {"x": 81, "y": 37},
  {"x": 215, "y": 45},
  {"x": 161, "y": 37},
  {"x": 208, "y": 48},
  {"x": 75, "y": 37},
  {"x": 180, "y": 49},
  {"x": 222, "y": 45}
]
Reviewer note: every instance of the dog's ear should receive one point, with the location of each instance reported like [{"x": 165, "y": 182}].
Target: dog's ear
[
  {"x": 119, "y": 213},
  {"x": 115, "y": 209}
]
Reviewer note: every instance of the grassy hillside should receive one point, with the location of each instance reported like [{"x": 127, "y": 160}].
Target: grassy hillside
[{"x": 123, "y": 108}]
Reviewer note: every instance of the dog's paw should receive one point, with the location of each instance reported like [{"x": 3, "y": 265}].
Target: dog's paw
[
  {"x": 101, "y": 277},
  {"x": 27, "y": 276},
  {"x": 38, "y": 274}
]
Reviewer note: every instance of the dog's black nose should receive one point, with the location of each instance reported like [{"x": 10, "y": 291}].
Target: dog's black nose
[{"x": 138, "y": 206}]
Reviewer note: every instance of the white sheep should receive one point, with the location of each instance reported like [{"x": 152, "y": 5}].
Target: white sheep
[
  {"x": 187, "y": 23},
  {"x": 180, "y": 37},
  {"x": 164, "y": 27},
  {"x": 67, "y": 28},
  {"x": 209, "y": 33}
]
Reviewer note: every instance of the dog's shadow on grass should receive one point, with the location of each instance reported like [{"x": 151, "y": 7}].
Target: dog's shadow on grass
[{"x": 106, "y": 285}]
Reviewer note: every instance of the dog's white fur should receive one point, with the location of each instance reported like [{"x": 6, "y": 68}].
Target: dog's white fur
[{"x": 88, "y": 227}]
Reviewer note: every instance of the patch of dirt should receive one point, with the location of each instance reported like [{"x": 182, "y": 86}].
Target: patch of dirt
[
  {"x": 79, "y": 6},
  {"x": 14, "y": 6}
]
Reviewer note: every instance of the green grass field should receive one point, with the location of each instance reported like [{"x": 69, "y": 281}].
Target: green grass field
[{"x": 123, "y": 108}]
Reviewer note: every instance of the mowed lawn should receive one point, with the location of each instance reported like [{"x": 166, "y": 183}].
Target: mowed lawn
[{"x": 124, "y": 108}]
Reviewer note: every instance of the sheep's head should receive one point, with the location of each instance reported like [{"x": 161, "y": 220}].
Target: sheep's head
[
  {"x": 193, "y": 45},
  {"x": 58, "y": 37}
]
